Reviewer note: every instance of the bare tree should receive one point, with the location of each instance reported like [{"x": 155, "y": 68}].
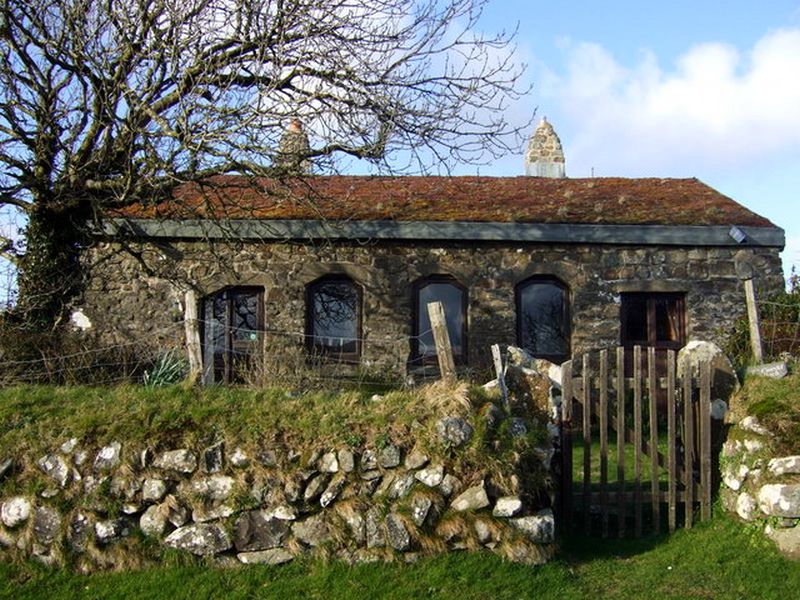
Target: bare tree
[{"x": 106, "y": 103}]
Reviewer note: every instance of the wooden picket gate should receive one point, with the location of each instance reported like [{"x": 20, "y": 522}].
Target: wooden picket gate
[{"x": 660, "y": 425}]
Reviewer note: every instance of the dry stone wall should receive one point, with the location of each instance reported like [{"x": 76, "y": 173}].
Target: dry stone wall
[
  {"x": 140, "y": 298},
  {"x": 760, "y": 487},
  {"x": 119, "y": 505}
]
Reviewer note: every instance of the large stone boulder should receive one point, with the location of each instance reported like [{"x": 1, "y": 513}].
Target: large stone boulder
[
  {"x": 314, "y": 531},
  {"x": 539, "y": 528},
  {"x": 258, "y": 530},
  {"x": 273, "y": 556},
  {"x": 473, "y": 498},
  {"x": 396, "y": 533},
  {"x": 454, "y": 431},
  {"x": 778, "y": 500},
  {"x": 204, "y": 539},
  {"x": 46, "y": 525},
  {"x": 108, "y": 458},
  {"x": 15, "y": 511},
  {"x": 55, "y": 467},
  {"x": 181, "y": 461},
  {"x": 723, "y": 376}
]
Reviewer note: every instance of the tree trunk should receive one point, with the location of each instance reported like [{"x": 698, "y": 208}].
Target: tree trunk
[{"x": 49, "y": 272}]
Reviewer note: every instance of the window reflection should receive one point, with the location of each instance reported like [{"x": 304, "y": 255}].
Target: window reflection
[
  {"x": 230, "y": 333},
  {"x": 543, "y": 318},
  {"x": 334, "y": 315},
  {"x": 453, "y": 299}
]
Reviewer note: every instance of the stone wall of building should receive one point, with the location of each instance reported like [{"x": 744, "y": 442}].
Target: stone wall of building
[{"x": 140, "y": 297}]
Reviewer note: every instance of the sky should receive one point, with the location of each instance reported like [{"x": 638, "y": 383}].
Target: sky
[{"x": 668, "y": 89}]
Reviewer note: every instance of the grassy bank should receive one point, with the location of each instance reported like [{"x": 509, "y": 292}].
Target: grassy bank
[{"x": 718, "y": 560}]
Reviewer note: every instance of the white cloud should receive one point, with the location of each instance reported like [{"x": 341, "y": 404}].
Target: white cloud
[{"x": 715, "y": 107}]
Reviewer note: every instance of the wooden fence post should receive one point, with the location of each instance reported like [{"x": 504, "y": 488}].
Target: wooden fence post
[
  {"x": 192, "y": 329},
  {"x": 752, "y": 317},
  {"x": 499, "y": 368},
  {"x": 444, "y": 351}
]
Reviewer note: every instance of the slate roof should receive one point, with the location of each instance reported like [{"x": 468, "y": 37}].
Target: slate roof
[{"x": 612, "y": 200}]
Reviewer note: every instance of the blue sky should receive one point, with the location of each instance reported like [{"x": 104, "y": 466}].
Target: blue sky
[{"x": 669, "y": 89}]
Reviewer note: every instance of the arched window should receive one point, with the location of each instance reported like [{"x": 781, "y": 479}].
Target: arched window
[
  {"x": 543, "y": 324},
  {"x": 232, "y": 322},
  {"x": 333, "y": 317},
  {"x": 453, "y": 296}
]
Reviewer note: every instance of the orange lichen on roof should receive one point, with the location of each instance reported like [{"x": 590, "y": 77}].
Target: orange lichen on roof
[{"x": 480, "y": 199}]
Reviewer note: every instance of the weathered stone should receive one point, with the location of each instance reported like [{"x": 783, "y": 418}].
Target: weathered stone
[
  {"x": 374, "y": 529},
  {"x": 178, "y": 513},
  {"x": 213, "y": 458},
  {"x": 449, "y": 485},
  {"x": 15, "y": 511},
  {"x": 257, "y": 530},
  {"x": 284, "y": 512},
  {"x": 145, "y": 458},
  {"x": 106, "y": 532},
  {"x": 396, "y": 533},
  {"x": 369, "y": 460},
  {"x": 204, "y": 539},
  {"x": 787, "y": 540},
  {"x": 507, "y": 506},
  {"x": 46, "y": 525},
  {"x": 273, "y": 556},
  {"x": 746, "y": 506},
  {"x": 131, "y": 508},
  {"x": 241, "y": 460},
  {"x": 473, "y": 498},
  {"x": 778, "y": 500},
  {"x": 517, "y": 427},
  {"x": 78, "y": 532},
  {"x": 314, "y": 531},
  {"x": 124, "y": 486},
  {"x": 431, "y": 476},
  {"x": 401, "y": 486},
  {"x": 784, "y": 466},
  {"x": 416, "y": 460},
  {"x": 774, "y": 370},
  {"x": 752, "y": 445},
  {"x": 315, "y": 487},
  {"x": 265, "y": 457},
  {"x": 371, "y": 475},
  {"x": 733, "y": 477},
  {"x": 181, "y": 461},
  {"x": 386, "y": 484},
  {"x": 153, "y": 521},
  {"x": 347, "y": 461},
  {"x": 6, "y": 539},
  {"x": 723, "y": 376},
  {"x": 753, "y": 425},
  {"x": 214, "y": 487},
  {"x": 332, "y": 491},
  {"x": 69, "y": 446},
  {"x": 732, "y": 448},
  {"x": 108, "y": 458},
  {"x": 719, "y": 408},
  {"x": 293, "y": 490},
  {"x": 454, "y": 431},
  {"x": 539, "y": 528},
  {"x": 328, "y": 463},
  {"x": 389, "y": 457},
  {"x": 482, "y": 531},
  {"x": 420, "y": 509},
  {"x": 357, "y": 524},
  {"x": 204, "y": 514},
  {"x": 153, "y": 490},
  {"x": 56, "y": 468}
]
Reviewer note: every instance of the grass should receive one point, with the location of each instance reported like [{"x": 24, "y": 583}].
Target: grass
[
  {"x": 718, "y": 560},
  {"x": 776, "y": 403}
]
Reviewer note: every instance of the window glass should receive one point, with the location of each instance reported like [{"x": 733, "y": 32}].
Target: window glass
[
  {"x": 543, "y": 318},
  {"x": 334, "y": 318},
  {"x": 452, "y": 298},
  {"x": 230, "y": 333},
  {"x": 653, "y": 319}
]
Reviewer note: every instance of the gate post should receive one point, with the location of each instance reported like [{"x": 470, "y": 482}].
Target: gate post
[{"x": 566, "y": 445}]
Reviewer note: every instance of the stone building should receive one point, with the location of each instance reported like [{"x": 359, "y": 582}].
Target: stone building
[{"x": 341, "y": 267}]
